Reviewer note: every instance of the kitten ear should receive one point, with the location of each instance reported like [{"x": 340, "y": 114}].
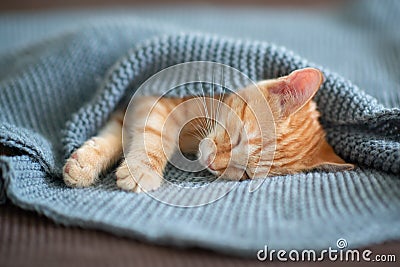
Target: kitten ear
[
  {"x": 296, "y": 89},
  {"x": 327, "y": 160}
]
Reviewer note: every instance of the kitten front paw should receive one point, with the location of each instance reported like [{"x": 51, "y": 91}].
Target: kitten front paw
[
  {"x": 81, "y": 169},
  {"x": 143, "y": 179}
]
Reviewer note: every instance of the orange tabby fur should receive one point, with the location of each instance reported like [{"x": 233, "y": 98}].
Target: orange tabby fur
[{"x": 289, "y": 140}]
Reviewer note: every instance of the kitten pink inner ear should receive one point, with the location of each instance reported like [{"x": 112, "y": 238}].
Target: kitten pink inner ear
[{"x": 296, "y": 89}]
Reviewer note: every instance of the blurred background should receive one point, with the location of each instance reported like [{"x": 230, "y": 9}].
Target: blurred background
[{"x": 50, "y": 4}]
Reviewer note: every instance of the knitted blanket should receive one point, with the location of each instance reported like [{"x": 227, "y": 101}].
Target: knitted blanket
[{"x": 61, "y": 75}]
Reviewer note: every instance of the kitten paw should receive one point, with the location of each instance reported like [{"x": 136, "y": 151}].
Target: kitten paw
[
  {"x": 81, "y": 169},
  {"x": 143, "y": 179}
]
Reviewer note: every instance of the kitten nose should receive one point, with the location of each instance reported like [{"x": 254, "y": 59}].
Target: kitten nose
[
  {"x": 210, "y": 166},
  {"x": 207, "y": 149},
  {"x": 209, "y": 160}
]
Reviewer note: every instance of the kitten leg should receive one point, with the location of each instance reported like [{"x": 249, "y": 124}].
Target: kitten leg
[
  {"x": 148, "y": 154},
  {"x": 95, "y": 155}
]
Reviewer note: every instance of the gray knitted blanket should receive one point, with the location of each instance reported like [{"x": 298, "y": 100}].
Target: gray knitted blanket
[{"x": 61, "y": 75}]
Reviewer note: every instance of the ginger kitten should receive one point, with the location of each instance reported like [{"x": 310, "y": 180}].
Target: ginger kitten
[{"x": 271, "y": 129}]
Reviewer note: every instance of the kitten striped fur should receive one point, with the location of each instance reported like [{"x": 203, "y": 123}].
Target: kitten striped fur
[{"x": 264, "y": 130}]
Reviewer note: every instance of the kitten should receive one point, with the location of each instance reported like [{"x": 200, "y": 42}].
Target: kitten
[{"x": 277, "y": 133}]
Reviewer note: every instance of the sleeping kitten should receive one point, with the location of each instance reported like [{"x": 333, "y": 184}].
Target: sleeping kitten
[{"x": 250, "y": 140}]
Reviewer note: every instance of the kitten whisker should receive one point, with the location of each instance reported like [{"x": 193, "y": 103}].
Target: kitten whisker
[
  {"x": 213, "y": 94},
  {"x": 195, "y": 136},
  {"x": 220, "y": 98},
  {"x": 199, "y": 129},
  {"x": 207, "y": 115}
]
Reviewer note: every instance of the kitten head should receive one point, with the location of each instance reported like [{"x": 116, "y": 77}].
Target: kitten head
[{"x": 270, "y": 129}]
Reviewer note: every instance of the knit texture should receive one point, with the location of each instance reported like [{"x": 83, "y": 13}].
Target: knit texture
[{"x": 61, "y": 77}]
